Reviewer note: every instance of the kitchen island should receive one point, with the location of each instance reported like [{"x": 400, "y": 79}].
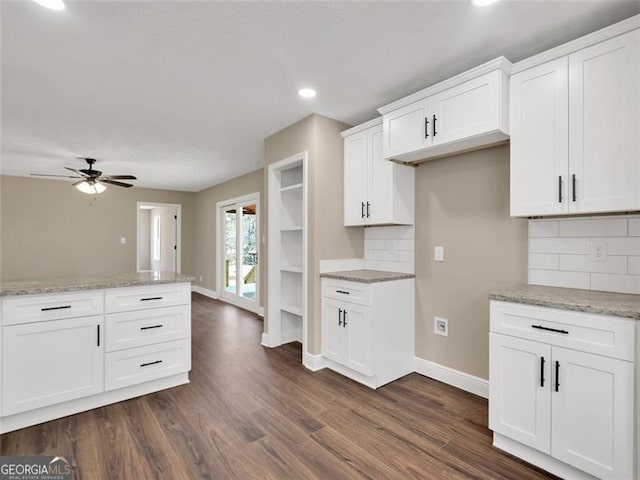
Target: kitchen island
[{"x": 74, "y": 344}]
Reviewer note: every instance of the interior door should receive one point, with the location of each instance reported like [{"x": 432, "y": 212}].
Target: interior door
[
  {"x": 604, "y": 121},
  {"x": 591, "y": 404},
  {"x": 380, "y": 181},
  {"x": 519, "y": 390}
]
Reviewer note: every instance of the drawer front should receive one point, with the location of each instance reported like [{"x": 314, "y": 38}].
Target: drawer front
[
  {"x": 147, "y": 327},
  {"x": 153, "y": 296},
  {"x": 600, "y": 334},
  {"x": 353, "y": 292},
  {"x": 54, "y": 306},
  {"x": 143, "y": 364}
]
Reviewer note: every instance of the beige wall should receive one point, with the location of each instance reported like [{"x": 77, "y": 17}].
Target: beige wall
[
  {"x": 206, "y": 238},
  {"x": 327, "y": 237},
  {"x": 462, "y": 203},
  {"x": 49, "y": 228}
]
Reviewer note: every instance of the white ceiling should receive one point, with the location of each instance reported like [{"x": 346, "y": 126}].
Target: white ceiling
[{"x": 183, "y": 93}]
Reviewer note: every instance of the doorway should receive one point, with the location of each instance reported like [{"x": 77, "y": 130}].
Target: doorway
[
  {"x": 158, "y": 237},
  {"x": 238, "y": 251}
]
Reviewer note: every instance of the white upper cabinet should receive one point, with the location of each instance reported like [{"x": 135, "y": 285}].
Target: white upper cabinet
[
  {"x": 604, "y": 125},
  {"x": 376, "y": 191},
  {"x": 540, "y": 139},
  {"x": 575, "y": 131},
  {"x": 466, "y": 112}
]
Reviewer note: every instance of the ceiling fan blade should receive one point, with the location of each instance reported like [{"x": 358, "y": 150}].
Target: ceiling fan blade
[
  {"x": 46, "y": 175},
  {"x": 75, "y": 171},
  {"x": 119, "y": 177},
  {"x": 117, "y": 184},
  {"x": 78, "y": 183}
]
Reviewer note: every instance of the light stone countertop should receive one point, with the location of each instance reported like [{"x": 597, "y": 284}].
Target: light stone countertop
[
  {"x": 70, "y": 284},
  {"x": 604, "y": 303},
  {"x": 367, "y": 276}
]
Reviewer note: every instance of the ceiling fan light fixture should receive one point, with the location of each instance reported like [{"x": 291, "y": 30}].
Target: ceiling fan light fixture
[
  {"x": 91, "y": 188},
  {"x": 52, "y": 4}
]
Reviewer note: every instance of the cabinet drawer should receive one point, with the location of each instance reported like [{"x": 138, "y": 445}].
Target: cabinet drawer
[
  {"x": 146, "y": 327},
  {"x": 604, "y": 335},
  {"x": 140, "y": 298},
  {"x": 55, "y": 306},
  {"x": 353, "y": 292},
  {"x": 143, "y": 364}
]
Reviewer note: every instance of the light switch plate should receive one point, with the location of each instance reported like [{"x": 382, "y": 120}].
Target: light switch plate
[
  {"x": 438, "y": 254},
  {"x": 441, "y": 326},
  {"x": 123, "y": 240}
]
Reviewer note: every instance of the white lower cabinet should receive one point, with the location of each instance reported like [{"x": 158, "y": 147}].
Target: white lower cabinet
[
  {"x": 367, "y": 329},
  {"x": 576, "y": 407},
  {"x": 51, "y": 362}
]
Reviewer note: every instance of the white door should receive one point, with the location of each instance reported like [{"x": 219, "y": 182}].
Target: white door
[
  {"x": 239, "y": 263},
  {"x": 356, "y": 322},
  {"x": 466, "y": 110},
  {"x": 519, "y": 390},
  {"x": 540, "y": 139},
  {"x": 407, "y": 129},
  {"x": 592, "y": 400},
  {"x": 380, "y": 182},
  {"x": 356, "y": 164},
  {"x": 333, "y": 333},
  {"x": 604, "y": 122},
  {"x": 51, "y": 362}
]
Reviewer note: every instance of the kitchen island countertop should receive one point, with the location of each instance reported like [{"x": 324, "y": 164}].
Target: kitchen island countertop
[{"x": 70, "y": 284}]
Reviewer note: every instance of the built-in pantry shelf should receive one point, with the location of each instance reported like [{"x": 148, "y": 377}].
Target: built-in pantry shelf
[
  {"x": 291, "y": 229},
  {"x": 293, "y": 269},
  {"x": 292, "y": 309},
  {"x": 297, "y": 186}
]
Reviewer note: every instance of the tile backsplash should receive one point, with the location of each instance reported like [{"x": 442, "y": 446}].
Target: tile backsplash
[
  {"x": 389, "y": 248},
  {"x": 597, "y": 253}
]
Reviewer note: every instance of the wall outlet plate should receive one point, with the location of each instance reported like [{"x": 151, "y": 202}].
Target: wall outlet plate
[
  {"x": 438, "y": 254},
  {"x": 598, "y": 252},
  {"x": 441, "y": 326}
]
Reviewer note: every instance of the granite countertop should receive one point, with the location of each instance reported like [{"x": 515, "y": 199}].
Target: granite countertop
[
  {"x": 367, "y": 276},
  {"x": 70, "y": 284},
  {"x": 604, "y": 303}
]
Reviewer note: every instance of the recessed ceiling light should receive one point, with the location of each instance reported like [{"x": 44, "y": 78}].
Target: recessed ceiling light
[
  {"x": 52, "y": 4},
  {"x": 307, "y": 93},
  {"x": 479, "y": 3}
]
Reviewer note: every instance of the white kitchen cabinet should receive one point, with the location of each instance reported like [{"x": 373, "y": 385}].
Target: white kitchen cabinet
[
  {"x": 604, "y": 125},
  {"x": 368, "y": 329},
  {"x": 466, "y": 112},
  {"x": 562, "y": 384},
  {"x": 46, "y": 363},
  {"x": 540, "y": 139},
  {"x": 575, "y": 131},
  {"x": 376, "y": 191}
]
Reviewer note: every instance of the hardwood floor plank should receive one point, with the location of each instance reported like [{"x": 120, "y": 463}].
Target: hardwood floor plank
[{"x": 256, "y": 413}]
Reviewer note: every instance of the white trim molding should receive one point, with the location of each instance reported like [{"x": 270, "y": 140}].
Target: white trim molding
[
  {"x": 314, "y": 362},
  {"x": 363, "y": 126},
  {"x": 178, "y": 207},
  {"x": 456, "y": 378},
  {"x": 266, "y": 341},
  {"x": 204, "y": 291}
]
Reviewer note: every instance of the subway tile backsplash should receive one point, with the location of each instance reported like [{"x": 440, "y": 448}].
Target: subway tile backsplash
[
  {"x": 389, "y": 248},
  {"x": 562, "y": 253}
]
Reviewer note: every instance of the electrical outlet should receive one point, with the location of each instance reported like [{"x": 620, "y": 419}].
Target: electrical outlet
[
  {"x": 438, "y": 254},
  {"x": 123, "y": 240},
  {"x": 200, "y": 277},
  {"x": 441, "y": 326},
  {"x": 598, "y": 252}
]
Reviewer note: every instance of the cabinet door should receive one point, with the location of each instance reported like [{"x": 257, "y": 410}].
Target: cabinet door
[
  {"x": 356, "y": 162},
  {"x": 357, "y": 326},
  {"x": 333, "y": 333},
  {"x": 466, "y": 110},
  {"x": 540, "y": 140},
  {"x": 405, "y": 129},
  {"x": 51, "y": 362},
  {"x": 380, "y": 182},
  {"x": 519, "y": 390},
  {"x": 591, "y": 409},
  {"x": 604, "y": 125}
]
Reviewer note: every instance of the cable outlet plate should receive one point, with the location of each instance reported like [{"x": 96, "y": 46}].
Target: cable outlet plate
[{"x": 441, "y": 326}]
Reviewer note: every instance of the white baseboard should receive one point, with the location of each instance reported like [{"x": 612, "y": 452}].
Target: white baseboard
[
  {"x": 456, "y": 378},
  {"x": 266, "y": 341},
  {"x": 204, "y": 291},
  {"x": 314, "y": 362}
]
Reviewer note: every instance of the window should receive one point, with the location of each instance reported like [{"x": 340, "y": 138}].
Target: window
[{"x": 156, "y": 238}]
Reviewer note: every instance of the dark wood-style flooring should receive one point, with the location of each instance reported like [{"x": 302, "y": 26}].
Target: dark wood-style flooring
[{"x": 253, "y": 412}]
